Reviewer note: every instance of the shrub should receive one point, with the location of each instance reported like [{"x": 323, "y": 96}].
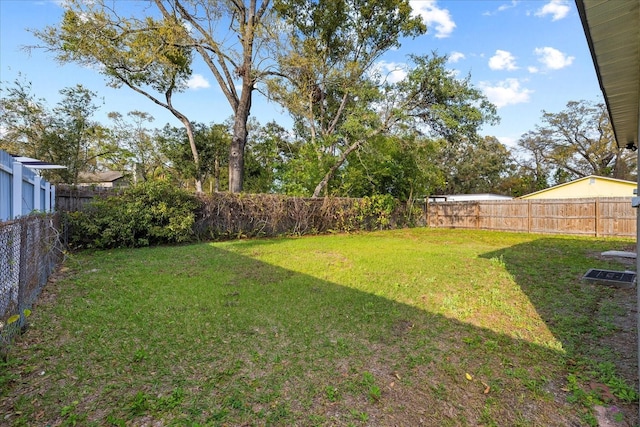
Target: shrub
[
  {"x": 149, "y": 213},
  {"x": 230, "y": 216}
]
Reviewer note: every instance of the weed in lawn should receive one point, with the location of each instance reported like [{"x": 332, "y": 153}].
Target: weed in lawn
[
  {"x": 332, "y": 393},
  {"x": 235, "y": 401},
  {"x": 115, "y": 421},
  {"x": 498, "y": 262},
  {"x": 606, "y": 373},
  {"x": 533, "y": 382},
  {"x": 361, "y": 416},
  {"x": 617, "y": 414},
  {"x": 486, "y": 417},
  {"x": 218, "y": 415},
  {"x": 368, "y": 384},
  {"x": 7, "y": 374},
  {"x": 316, "y": 420},
  {"x": 170, "y": 402},
  {"x": 70, "y": 416},
  {"x": 139, "y": 355},
  {"x": 140, "y": 404},
  {"x": 439, "y": 391},
  {"x": 375, "y": 393},
  {"x": 277, "y": 414}
]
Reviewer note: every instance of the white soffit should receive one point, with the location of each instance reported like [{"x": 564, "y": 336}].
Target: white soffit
[{"x": 612, "y": 28}]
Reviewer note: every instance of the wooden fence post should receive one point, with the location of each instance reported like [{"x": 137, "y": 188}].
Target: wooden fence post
[
  {"x": 426, "y": 212},
  {"x": 597, "y": 216}
]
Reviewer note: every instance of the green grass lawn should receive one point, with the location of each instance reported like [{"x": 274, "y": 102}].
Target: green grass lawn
[{"x": 398, "y": 328}]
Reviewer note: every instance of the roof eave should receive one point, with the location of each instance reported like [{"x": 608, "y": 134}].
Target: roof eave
[{"x": 617, "y": 24}]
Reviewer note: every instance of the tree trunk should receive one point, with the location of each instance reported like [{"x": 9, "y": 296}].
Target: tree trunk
[
  {"x": 236, "y": 156},
  {"x": 194, "y": 150},
  {"x": 216, "y": 174},
  {"x": 239, "y": 139},
  {"x": 343, "y": 157}
]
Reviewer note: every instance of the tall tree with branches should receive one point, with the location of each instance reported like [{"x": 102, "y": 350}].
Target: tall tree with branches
[
  {"x": 577, "y": 142},
  {"x": 331, "y": 84},
  {"x": 153, "y": 55},
  {"x": 144, "y": 54}
]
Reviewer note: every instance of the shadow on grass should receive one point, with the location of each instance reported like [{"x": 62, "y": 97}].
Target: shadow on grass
[
  {"x": 200, "y": 335},
  {"x": 595, "y": 323}
]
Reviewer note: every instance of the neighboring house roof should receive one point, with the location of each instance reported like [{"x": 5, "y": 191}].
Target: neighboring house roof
[
  {"x": 467, "y": 197},
  {"x": 589, "y": 186},
  {"x": 109, "y": 176}
]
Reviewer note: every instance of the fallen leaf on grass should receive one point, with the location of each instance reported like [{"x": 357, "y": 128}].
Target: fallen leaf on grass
[
  {"x": 468, "y": 376},
  {"x": 487, "y": 389}
]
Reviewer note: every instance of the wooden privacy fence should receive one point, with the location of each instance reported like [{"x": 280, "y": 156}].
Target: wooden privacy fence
[
  {"x": 600, "y": 217},
  {"x": 71, "y": 198}
]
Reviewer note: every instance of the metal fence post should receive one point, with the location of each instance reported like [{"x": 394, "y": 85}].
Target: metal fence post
[{"x": 16, "y": 201}]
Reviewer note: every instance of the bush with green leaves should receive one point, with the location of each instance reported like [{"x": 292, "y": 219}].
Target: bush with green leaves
[
  {"x": 368, "y": 213},
  {"x": 149, "y": 213}
]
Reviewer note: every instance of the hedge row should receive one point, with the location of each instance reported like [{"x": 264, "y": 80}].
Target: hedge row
[{"x": 158, "y": 213}]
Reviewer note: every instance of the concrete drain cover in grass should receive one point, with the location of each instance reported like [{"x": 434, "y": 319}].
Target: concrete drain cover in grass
[{"x": 623, "y": 279}]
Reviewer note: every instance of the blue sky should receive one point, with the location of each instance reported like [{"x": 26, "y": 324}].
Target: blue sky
[{"x": 526, "y": 56}]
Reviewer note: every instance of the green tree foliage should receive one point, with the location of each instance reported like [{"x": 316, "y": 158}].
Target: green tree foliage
[
  {"x": 477, "y": 166},
  {"x": 147, "y": 55},
  {"x": 153, "y": 56},
  {"x": 269, "y": 153},
  {"x": 578, "y": 142},
  {"x": 324, "y": 81},
  {"x": 212, "y": 142},
  {"x": 139, "y": 153},
  {"x": 24, "y": 120},
  {"x": 65, "y": 135},
  {"x": 388, "y": 165},
  {"x": 340, "y": 103},
  {"x": 150, "y": 213}
]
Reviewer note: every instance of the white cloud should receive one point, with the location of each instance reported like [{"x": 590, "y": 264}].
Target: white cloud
[
  {"x": 552, "y": 58},
  {"x": 390, "y": 72},
  {"x": 506, "y": 92},
  {"x": 558, "y": 9},
  {"x": 509, "y": 141},
  {"x": 503, "y": 60},
  {"x": 197, "y": 81},
  {"x": 187, "y": 26},
  {"x": 455, "y": 57},
  {"x": 533, "y": 69},
  {"x": 502, "y": 8},
  {"x": 431, "y": 14}
]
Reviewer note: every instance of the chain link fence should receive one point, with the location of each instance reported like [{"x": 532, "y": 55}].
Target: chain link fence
[{"x": 30, "y": 250}]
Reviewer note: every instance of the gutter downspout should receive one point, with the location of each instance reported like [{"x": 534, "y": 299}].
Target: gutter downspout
[{"x": 635, "y": 202}]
